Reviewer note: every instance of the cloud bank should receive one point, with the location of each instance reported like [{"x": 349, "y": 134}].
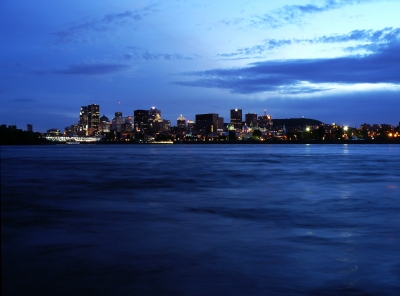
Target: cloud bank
[
  {"x": 149, "y": 56},
  {"x": 371, "y": 37},
  {"x": 380, "y": 67},
  {"x": 294, "y": 14}
]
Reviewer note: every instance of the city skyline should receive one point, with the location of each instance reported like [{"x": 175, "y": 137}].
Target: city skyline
[{"x": 334, "y": 61}]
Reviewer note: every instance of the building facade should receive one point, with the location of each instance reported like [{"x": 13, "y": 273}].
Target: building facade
[
  {"x": 251, "y": 119},
  {"x": 141, "y": 120},
  {"x": 181, "y": 122},
  {"x": 207, "y": 123},
  {"x": 236, "y": 118}
]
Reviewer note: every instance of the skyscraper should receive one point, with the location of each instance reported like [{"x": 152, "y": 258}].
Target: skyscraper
[
  {"x": 207, "y": 123},
  {"x": 155, "y": 120},
  {"x": 93, "y": 111},
  {"x": 117, "y": 121},
  {"x": 141, "y": 119},
  {"x": 265, "y": 120},
  {"x": 104, "y": 124},
  {"x": 236, "y": 118},
  {"x": 83, "y": 121},
  {"x": 89, "y": 118},
  {"x": 181, "y": 122},
  {"x": 251, "y": 119}
]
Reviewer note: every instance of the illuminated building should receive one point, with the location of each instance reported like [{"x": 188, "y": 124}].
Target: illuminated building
[
  {"x": 117, "y": 122},
  {"x": 181, "y": 122},
  {"x": 155, "y": 120},
  {"x": 236, "y": 118},
  {"x": 141, "y": 120},
  {"x": 207, "y": 123},
  {"x": 93, "y": 116},
  {"x": 251, "y": 119},
  {"x": 83, "y": 121},
  {"x": 127, "y": 126},
  {"x": 190, "y": 124},
  {"x": 265, "y": 120},
  {"x": 53, "y": 132},
  {"x": 166, "y": 124},
  {"x": 104, "y": 124},
  {"x": 89, "y": 118}
]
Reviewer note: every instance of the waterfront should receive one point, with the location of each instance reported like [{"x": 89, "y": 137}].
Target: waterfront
[{"x": 200, "y": 220}]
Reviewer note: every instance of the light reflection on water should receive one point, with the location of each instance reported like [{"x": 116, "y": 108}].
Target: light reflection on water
[{"x": 196, "y": 220}]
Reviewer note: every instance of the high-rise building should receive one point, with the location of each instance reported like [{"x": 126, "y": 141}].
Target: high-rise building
[
  {"x": 104, "y": 124},
  {"x": 117, "y": 122},
  {"x": 236, "y": 118},
  {"x": 154, "y": 114},
  {"x": 181, "y": 122},
  {"x": 251, "y": 119},
  {"x": 155, "y": 120},
  {"x": 166, "y": 124},
  {"x": 265, "y": 120},
  {"x": 83, "y": 121},
  {"x": 207, "y": 123},
  {"x": 141, "y": 120},
  {"x": 89, "y": 118},
  {"x": 127, "y": 126},
  {"x": 29, "y": 127},
  {"x": 190, "y": 124},
  {"x": 93, "y": 116}
]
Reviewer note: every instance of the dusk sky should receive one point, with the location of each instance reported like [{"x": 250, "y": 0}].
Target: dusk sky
[{"x": 334, "y": 60}]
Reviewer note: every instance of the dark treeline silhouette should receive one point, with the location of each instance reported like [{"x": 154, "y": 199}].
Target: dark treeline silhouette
[{"x": 10, "y": 135}]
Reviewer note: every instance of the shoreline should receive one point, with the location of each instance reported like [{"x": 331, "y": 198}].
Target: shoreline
[{"x": 315, "y": 142}]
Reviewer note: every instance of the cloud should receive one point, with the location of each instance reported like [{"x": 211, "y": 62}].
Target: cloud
[
  {"x": 76, "y": 33},
  {"x": 148, "y": 56},
  {"x": 269, "y": 44},
  {"x": 294, "y": 14},
  {"x": 88, "y": 69},
  {"x": 289, "y": 75},
  {"x": 375, "y": 38}
]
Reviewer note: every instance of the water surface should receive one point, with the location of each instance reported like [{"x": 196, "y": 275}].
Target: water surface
[{"x": 200, "y": 220}]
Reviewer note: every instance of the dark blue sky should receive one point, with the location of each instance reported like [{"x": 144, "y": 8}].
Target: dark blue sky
[{"x": 334, "y": 60}]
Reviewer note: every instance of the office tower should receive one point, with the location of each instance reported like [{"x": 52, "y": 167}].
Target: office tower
[
  {"x": 190, "y": 124},
  {"x": 220, "y": 124},
  {"x": 93, "y": 111},
  {"x": 236, "y": 118},
  {"x": 127, "y": 126},
  {"x": 207, "y": 123},
  {"x": 154, "y": 114},
  {"x": 181, "y": 122},
  {"x": 117, "y": 122},
  {"x": 265, "y": 120},
  {"x": 29, "y": 127},
  {"x": 141, "y": 120},
  {"x": 83, "y": 121},
  {"x": 104, "y": 124},
  {"x": 155, "y": 120},
  {"x": 166, "y": 124},
  {"x": 251, "y": 119}
]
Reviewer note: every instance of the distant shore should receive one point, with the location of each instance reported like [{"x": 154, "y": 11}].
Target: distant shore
[
  {"x": 316, "y": 142},
  {"x": 273, "y": 142}
]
